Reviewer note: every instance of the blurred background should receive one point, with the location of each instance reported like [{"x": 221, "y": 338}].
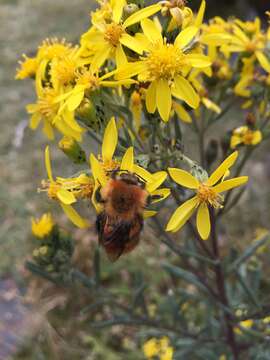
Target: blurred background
[{"x": 29, "y": 331}]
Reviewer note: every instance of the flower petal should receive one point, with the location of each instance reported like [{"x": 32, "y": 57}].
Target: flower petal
[
  {"x": 151, "y": 30},
  {"x": 182, "y": 214},
  {"x": 149, "y": 213},
  {"x": 100, "y": 57},
  {"x": 128, "y": 160},
  {"x": 200, "y": 15},
  {"x": 182, "y": 112},
  {"x": 74, "y": 100},
  {"x": 48, "y": 163},
  {"x": 157, "y": 179},
  {"x": 185, "y": 36},
  {"x": 162, "y": 193},
  {"x": 143, "y": 173},
  {"x": 110, "y": 140},
  {"x": 66, "y": 197},
  {"x": 97, "y": 170},
  {"x": 74, "y": 216},
  {"x": 198, "y": 60},
  {"x": 142, "y": 14},
  {"x": 264, "y": 62},
  {"x": 164, "y": 99},
  {"x": 220, "y": 171},
  {"x": 118, "y": 7},
  {"x": 184, "y": 91},
  {"x": 151, "y": 98},
  {"x": 120, "y": 56},
  {"x": 183, "y": 178},
  {"x": 131, "y": 43},
  {"x": 203, "y": 221},
  {"x": 230, "y": 184}
]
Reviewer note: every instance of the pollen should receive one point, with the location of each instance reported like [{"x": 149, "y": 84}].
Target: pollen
[
  {"x": 165, "y": 62},
  {"x": 206, "y": 194},
  {"x": 46, "y": 103},
  {"x": 113, "y": 33},
  {"x": 51, "y": 48},
  {"x": 88, "y": 79},
  {"x": 28, "y": 68},
  {"x": 64, "y": 69},
  {"x": 51, "y": 187}
]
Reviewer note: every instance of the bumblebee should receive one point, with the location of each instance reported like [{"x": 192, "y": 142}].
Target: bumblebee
[{"x": 119, "y": 225}]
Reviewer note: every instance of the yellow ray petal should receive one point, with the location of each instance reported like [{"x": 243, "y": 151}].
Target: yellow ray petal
[
  {"x": 151, "y": 98},
  {"x": 230, "y": 184},
  {"x": 203, "y": 221},
  {"x": 100, "y": 57},
  {"x": 149, "y": 213},
  {"x": 118, "y": 7},
  {"x": 74, "y": 100},
  {"x": 163, "y": 193},
  {"x": 198, "y": 61},
  {"x": 130, "y": 70},
  {"x": 220, "y": 171},
  {"x": 128, "y": 160},
  {"x": 142, "y": 14},
  {"x": 66, "y": 197},
  {"x": 182, "y": 112},
  {"x": 120, "y": 56},
  {"x": 131, "y": 43},
  {"x": 151, "y": 30},
  {"x": 97, "y": 170},
  {"x": 157, "y": 179},
  {"x": 184, "y": 178},
  {"x": 143, "y": 173},
  {"x": 110, "y": 140},
  {"x": 184, "y": 91},
  {"x": 48, "y": 163},
  {"x": 264, "y": 62},
  {"x": 179, "y": 217},
  {"x": 48, "y": 130},
  {"x": 75, "y": 217},
  {"x": 185, "y": 36},
  {"x": 200, "y": 15},
  {"x": 164, "y": 99}
]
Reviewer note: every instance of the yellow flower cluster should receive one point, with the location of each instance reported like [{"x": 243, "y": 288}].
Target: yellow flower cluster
[{"x": 159, "y": 348}]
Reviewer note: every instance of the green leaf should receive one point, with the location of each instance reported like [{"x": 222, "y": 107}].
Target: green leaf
[
  {"x": 185, "y": 275},
  {"x": 248, "y": 253}
]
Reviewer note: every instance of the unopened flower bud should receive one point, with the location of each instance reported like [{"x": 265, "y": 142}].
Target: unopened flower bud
[{"x": 72, "y": 149}]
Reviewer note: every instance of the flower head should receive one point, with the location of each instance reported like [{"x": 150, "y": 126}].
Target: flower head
[
  {"x": 158, "y": 347},
  {"x": 43, "y": 226},
  {"x": 208, "y": 194},
  {"x": 246, "y": 136},
  {"x": 106, "y": 163}
]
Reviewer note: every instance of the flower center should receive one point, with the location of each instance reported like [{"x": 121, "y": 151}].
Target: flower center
[
  {"x": 46, "y": 104},
  {"x": 51, "y": 187},
  {"x": 206, "y": 194},
  {"x": 248, "y": 137},
  {"x": 86, "y": 78},
  {"x": 165, "y": 62},
  {"x": 64, "y": 69},
  {"x": 54, "y": 48},
  {"x": 113, "y": 33}
]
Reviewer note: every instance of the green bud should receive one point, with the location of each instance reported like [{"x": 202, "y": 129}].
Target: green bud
[{"x": 72, "y": 149}]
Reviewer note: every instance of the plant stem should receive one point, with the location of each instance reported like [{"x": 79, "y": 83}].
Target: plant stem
[{"x": 220, "y": 283}]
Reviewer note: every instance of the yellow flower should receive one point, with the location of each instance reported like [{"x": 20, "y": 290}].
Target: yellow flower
[
  {"x": 245, "y": 135},
  {"x": 181, "y": 15},
  {"x": 42, "y": 227},
  {"x": 66, "y": 190},
  {"x": 102, "y": 167},
  {"x": 28, "y": 68},
  {"x": 208, "y": 193},
  {"x": 108, "y": 38},
  {"x": 246, "y": 324},
  {"x": 158, "y": 347},
  {"x": 165, "y": 66},
  {"x": 53, "y": 116},
  {"x": 248, "y": 37},
  {"x": 87, "y": 81}
]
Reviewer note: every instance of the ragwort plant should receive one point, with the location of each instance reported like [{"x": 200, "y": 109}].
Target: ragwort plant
[{"x": 139, "y": 82}]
